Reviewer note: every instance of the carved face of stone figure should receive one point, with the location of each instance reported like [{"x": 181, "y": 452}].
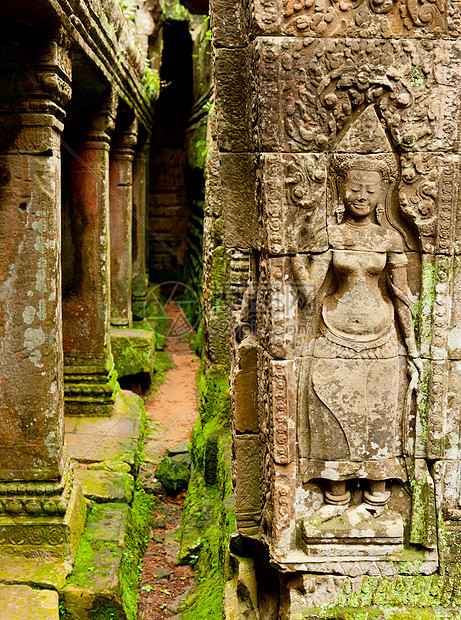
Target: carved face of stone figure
[{"x": 362, "y": 191}]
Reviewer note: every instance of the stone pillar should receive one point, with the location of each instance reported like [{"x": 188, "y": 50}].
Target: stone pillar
[
  {"x": 121, "y": 199},
  {"x": 140, "y": 277},
  {"x": 91, "y": 381},
  {"x": 317, "y": 102},
  {"x": 38, "y": 500}
]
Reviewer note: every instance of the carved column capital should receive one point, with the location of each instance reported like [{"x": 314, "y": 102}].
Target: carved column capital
[
  {"x": 126, "y": 141},
  {"x": 102, "y": 121}
]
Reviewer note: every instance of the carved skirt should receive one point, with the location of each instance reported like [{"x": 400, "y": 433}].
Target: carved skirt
[{"x": 354, "y": 415}]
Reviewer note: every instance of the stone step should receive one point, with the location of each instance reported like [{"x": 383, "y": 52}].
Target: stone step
[
  {"x": 95, "y": 580},
  {"x": 25, "y": 603}
]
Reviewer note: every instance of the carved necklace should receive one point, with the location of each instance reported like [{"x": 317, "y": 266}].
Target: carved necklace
[{"x": 355, "y": 226}]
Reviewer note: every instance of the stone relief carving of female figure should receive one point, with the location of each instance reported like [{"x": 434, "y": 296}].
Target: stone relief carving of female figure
[{"x": 354, "y": 405}]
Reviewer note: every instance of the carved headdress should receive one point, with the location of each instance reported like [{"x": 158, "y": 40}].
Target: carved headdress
[
  {"x": 340, "y": 166},
  {"x": 384, "y": 163}
]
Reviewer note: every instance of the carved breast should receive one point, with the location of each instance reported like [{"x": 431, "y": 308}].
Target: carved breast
[{"x": 358, "y": 310}]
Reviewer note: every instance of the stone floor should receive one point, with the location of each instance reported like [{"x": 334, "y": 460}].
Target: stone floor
[
  {"x": 25, "y": 603},
  {"x": 92, "y": 440}
]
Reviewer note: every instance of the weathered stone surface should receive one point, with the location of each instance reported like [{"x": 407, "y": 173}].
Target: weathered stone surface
[
  {"x": 174, "y": 472},
  {"x": 245, "y": 390},
  {"x": 133, "y": 350},
  {"x": 241, "y": 592},
  {"x": 90, "y": 440},
  {"x": 95, "y": 581},
  {"x": 31, "y": 367},
  {"x": 105, "y": 486},
  {"x": 347, "y": 75},
  {"x": 348, "y": 327},
  {"x": 232, "y": 91},
  {"x": 293, "y": 197},
  {"x": 363, "y": 19},
  {"x": 246, "y": 473},
  {"x": 40, "y": 550},
  {"x": 121, "y": 198},
  {"x": 24, "y": 603},
  {"x": 90, "y": 382},
  {"x": 110, "y": 523},
  {"x": 228, "y": 23},
  {"x": 139, "y": 264},
  {"x": 238, "y": 174}
]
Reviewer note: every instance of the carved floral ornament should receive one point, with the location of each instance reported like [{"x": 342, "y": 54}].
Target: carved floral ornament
[{"x": 314, "y": 16}]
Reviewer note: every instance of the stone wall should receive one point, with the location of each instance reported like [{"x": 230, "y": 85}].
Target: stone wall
[{"x": 338, "y": 136}]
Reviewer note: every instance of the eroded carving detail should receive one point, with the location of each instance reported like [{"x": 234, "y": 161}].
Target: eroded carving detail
[
  {"x": 362, "y": 18},
  {"x": 356, "y": 341},
  {"x": 422, "y": 13}
]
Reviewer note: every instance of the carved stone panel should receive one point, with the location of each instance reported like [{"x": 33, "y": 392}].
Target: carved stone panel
[
  {"x": 277, "y": 307},
  {"x": 429, "y": 196},
  {"x": 309, "y": 91},
  {"x": 358, "y": 18},
  {"x": 293, "y": 198},
  {"x": 246, "y": 473}
]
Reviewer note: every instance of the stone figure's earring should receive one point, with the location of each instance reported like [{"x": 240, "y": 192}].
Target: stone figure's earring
[{"x": 379, "y": 213}]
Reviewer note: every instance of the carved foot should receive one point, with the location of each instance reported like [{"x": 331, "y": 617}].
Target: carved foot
[
  {"x": 337, "y": 494},
  {"x": 377, "y": 495}
]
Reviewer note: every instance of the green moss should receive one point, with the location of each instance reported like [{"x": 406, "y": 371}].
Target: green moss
[
  {"x": 207, "y": 521},
  {"x": 173, "y": 9},
  {"x": 133, "y": 354},
  {"x": 135, "y": 543},
  {"x": 423, "y": 319},
  {"x": 207, "y": 601}
]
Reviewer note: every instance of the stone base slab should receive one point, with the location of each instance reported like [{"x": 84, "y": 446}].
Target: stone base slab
[
  {"x": 95, "y": 580},
  {"x": 105, "y": 486},
  {"x": 95, "y": 439},
  {"x": 24, "y": 603},
  {"x": 40, "y": 550}
]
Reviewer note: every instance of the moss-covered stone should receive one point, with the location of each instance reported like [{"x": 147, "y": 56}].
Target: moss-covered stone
[
  {"x": 106, "y": 486},
  {"x": 21, "y": 602},
  {"x": 173, "y": 473},
  {"x": 104, "y": 583},
  {"x": 97, "y": 439},
  {"x": 133, "y": 350},
  {"x": 208, "y": 520}
]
